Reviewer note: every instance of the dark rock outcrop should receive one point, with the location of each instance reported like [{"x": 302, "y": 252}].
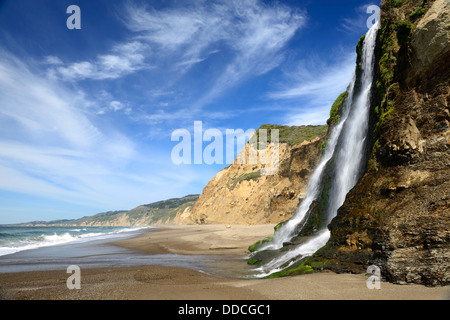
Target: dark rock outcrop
[{"x": 398, "y": 215}]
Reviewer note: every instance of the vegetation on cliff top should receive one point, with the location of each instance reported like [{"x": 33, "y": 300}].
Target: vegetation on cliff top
[
  {"x": 336, "y": 109},
  {"x": 294, "y": 135}
]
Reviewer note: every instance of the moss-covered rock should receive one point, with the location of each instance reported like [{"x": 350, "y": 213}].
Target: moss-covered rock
[
  {"x": 306, "y": 266},
  {"x": 337, "y": 109},
  {"x": 397, "y": 215}
]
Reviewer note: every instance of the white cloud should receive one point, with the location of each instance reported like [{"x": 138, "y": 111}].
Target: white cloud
[
  {"x": 358, "y": 22},
  {"x": 314, "y": 87},
  {"x": 265, "y": 32},
  {"x": 124, "y": 59},
  {"x": 317, "y": 115},
  {"x": 51, "y": 149},
  {"x": 34, "y": 108},
  {"x": 49, "y": 146},
  {"x": 42, "y": 111},
  {"x": 253, "y": 32},
  {"x": 170, "y": 28},
  {"x": 311, "y": 80},
  {"x": 52, "y": 60},
  {"x": 116, "y": 105}
]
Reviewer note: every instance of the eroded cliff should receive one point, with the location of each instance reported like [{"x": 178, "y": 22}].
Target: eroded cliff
[
  {"x": 398, "y": 215},
  {"x": 241, "y": 194}
]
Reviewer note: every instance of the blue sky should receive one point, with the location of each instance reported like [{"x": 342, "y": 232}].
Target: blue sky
[{"x": 86, "y": 116}]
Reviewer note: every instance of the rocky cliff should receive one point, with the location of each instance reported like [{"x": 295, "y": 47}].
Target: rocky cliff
[
  {"x": 241, "y": 194},
  {"x": 398, "y": 216}
]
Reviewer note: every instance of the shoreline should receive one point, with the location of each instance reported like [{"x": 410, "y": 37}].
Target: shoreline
[
  {"x": 152, "y": 282},
  {"x": 213, "y": 239}
]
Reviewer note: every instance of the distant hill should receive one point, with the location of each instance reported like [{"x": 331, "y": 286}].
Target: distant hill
[{"x": 154, "y": 213}]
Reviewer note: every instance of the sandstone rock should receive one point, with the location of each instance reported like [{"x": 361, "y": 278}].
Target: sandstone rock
[
  {"x": 241, "y": 194},
  {"x": 431, "y": 37}
]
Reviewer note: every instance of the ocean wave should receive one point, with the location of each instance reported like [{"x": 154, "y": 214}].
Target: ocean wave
[{"x": 69, "y": 236}]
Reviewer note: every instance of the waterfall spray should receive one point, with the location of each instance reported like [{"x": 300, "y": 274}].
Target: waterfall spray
[{"x": 346, "y": 146}]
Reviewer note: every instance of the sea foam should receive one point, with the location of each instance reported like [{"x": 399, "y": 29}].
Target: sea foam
[{"x": 20, "y": 239}]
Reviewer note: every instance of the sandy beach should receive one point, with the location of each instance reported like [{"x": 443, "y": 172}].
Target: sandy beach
[{"x": 175, "y": 283}]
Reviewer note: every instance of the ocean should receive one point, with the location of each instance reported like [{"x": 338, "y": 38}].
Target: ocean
[
  {"x": 16, "y": 239},
  {"x": 24, "y": 249}
]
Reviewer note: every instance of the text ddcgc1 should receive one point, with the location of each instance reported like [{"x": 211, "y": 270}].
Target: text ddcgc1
[{"x": 225, "y": 309}]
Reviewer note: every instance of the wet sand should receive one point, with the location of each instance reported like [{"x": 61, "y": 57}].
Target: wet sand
[
  {"x": 174, "y": 283},
  {"x": 197, "y": 240}
]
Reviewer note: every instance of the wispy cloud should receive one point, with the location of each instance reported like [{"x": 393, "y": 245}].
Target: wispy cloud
[
  {"x": 358, "y": 22},
  {"x": 252, "y": 32},
  {"x": 52, "y": 60},
  {"x": 49, "y": 146},
  {"x": 248, "y": 38},
  {"x": 123, "y": 59},
  {"x": 35, "y": 108},
  {"x": 41, "y": 111},
  {"x": 168, "y": 43},
  {"x": 265, "y": 32},
  {"x": 314, "y": 87},
  {"x": 52, "y": 148},
  {"x": 314, "y": 81}
]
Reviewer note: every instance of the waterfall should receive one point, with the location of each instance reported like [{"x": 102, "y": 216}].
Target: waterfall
[{"x": 346, "y": 146}]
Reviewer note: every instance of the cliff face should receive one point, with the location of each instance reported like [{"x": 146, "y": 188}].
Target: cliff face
[
  {"x": 398, "y": 215},
  {"x": 240, "y": 194}
]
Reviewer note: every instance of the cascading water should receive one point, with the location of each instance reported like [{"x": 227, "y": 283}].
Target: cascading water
[{"x": 346, "y": 147}]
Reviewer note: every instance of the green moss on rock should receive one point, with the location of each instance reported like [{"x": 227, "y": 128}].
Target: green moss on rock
[
  {"x": 255, "y": 175},
  {"x": 421, "y": 10},
  {"x": 254, "y": 246},
  {"x": 309, "y": 265},
  {"x": 336, "y": 109},
  {"x": 253, "y": 261}
]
